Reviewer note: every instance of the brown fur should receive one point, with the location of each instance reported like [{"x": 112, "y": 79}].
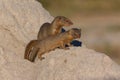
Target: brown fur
[
  {"x": 29, "y": 49},
  {"x": 48, "y": 29},
  {"x": 50, "y": 43}
]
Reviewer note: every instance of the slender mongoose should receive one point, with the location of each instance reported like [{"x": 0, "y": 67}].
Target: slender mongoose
[
  {"x": 40, "y": 47},
  {"x": 53, "y": 28}
]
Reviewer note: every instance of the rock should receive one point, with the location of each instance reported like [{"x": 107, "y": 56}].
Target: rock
[
  {"x": 78, "y": 64},
  {"x": 20, "y": 21}
]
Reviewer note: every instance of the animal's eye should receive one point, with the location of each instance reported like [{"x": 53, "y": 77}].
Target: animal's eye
[
  {"x": 67, "y": 21},
  {"x": 59, "y": 17}
]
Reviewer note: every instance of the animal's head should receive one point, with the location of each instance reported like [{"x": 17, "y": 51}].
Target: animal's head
[
  {"x": 75, "y": 33},
  {"x": 63, "y": 21}
]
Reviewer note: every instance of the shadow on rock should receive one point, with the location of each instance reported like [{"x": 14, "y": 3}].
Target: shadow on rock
[
  {"x": 63, "y": 30},
  {"x": 76, "y": 43}
]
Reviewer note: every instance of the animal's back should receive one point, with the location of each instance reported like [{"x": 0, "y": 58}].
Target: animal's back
[{"x": 44, "y": 30}]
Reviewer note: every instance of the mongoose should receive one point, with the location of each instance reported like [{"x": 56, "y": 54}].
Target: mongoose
[
  {"x": 48, "y": 29},
  {"x": 40, "y": 47}
]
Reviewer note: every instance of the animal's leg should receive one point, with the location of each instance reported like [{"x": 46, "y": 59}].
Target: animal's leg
[
  {"x": 40, "y": 56},
  {"x": 63, "y": 46}
]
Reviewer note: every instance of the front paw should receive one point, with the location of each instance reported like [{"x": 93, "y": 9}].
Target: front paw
[
  {"x": 70, "y": 45},
  {"x": 41, "y": 58},
  {"x": 66, "y": 48}
]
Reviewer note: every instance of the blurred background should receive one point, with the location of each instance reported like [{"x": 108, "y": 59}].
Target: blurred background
[{"x": 98, "y": 19}]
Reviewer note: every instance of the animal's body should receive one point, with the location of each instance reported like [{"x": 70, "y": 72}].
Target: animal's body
[{"x": 40, "y": 47}]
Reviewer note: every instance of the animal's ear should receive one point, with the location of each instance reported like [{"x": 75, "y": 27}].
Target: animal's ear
[{"x": 58, "y": 17}]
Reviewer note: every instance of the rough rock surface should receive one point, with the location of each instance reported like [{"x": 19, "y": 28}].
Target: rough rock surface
[{"x": 20, "y": 21}]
